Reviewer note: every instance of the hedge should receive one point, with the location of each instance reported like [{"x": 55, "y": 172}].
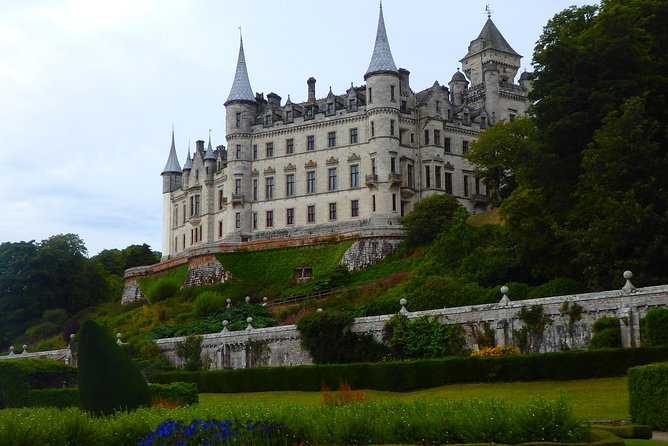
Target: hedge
[
  {"x": 641, "y": 431},
  {"x": 410, "y": 375},
  {"x": 648, "y": 394},
  {"x": 177, "y": 393},
  {"x": 18, "y": 377}
]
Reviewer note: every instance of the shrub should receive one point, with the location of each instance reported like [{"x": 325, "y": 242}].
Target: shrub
[
  {"x": 628, "y": 431},
  {"x": 423, "y": 338},
  {"x": 502, "y": 350},
  {"x": 648, "y": 393},
  {"x": 177, "y": 393},
  {"x": 429, "y": 217},
  {"x": 530, "y": 336},
  {"x": 18, "y": 377},
  {"x": 163, "y": 289},
  {"x": 108, "y": 379},
  {"x": 208, "y": 302},
  {"x": 606, "y": 333},
  {"x": 655, "y": 324}
]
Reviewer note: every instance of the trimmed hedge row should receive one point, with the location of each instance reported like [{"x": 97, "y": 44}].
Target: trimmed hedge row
[
  {"x": 18, "y": 377},
  {"x": 177, "y": 393},
  {"x": 410, "y": 375},
  {"x": 641, "y": 431},
  {"x": 648, "y": 394}
]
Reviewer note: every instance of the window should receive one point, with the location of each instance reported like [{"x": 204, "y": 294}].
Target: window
[
  {"x": 448, "y": 183},
  {"x": 267, "y": 120},
  {"x": 354, "y": 208},
  {"x": 197, "y": 172},
  {"x": 353, "y": 136},
  {"x": 477, "y": 186},
  {"x": 373, "y": 129},
  {"x": 465, "y": 146},
  {"x": 331, "y": 184},
  {"x": 437, "y": 137},
  {"x": 184, "y": 241},
  {"x": 330, "y": 108},
  {"x": 438, "y": 106},
  {"x": 332, "y": 211},
  {"x": 392, "y": 127},
  {"x": 220, "y": 229},
  {"x": 310, "y": 214},
  {"x": 373, "y": 166},
  {"x": 511, "y": 117},
  {"x": 255, "y": 189},
  {"x": 373, "y": 203},
  {"x": 176, "y": 217},
  {"x": 394, "y": 202},
  {"x": 269, "y": 188},
  {"x": 254, "y": 220},
  {"x": 331, "y": 139},
  {"x": 466, "y": 185},
  {"x": 310, "y": 142},
  {"x": 393, "y": 165},
  {"x": 290, "y": 185},
  {"x": 290, "y": 216},
  {"x": 221, "y": 198},
  {"x": 237, "y": 186},
  {"x": 427, "y": 177},
  {"x": 289, "y": 146},
  {"x": 254, "y": 151},
  {"x": 352, "y": 104},
  {"x": 370, "y": 95},
  {"x": 270, "y": 149},
  {"x": 288, "y": 116},
  {"x": 270, "y": 219},
  {"x": 409, "y": 174},
  {"x": 355, "y": 175},
  {"x": 237, "y": 220},
  {"x": 437, "y": 177},
  {"x": 412, "y": 138},
  {"x": 238, "y": 152},
  {"x": 184, "y": 216},
  {"x": 309, "y": 111},
  {"x": 404, "y": 106},
  {"x": 447, "y": 145},
  {"x": 310, "y": 182},
  {"x": 194, "y": 205},
  {"x": 238, "y": 121},
  {"x": 392, "y": 93},
  {"x": 426, "y": 136}
]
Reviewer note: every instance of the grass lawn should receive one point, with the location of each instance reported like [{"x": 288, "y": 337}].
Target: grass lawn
[
  {"x": 635, "y": 442},
  {"x": 592, "y": 399}
]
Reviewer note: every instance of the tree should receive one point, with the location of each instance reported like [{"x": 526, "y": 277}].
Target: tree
[
  {"x": 500, "y": 154},
  {"x": 429, "y": 217}
]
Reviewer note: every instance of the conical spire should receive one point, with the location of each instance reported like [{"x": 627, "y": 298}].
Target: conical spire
[
  {"x": 490, "y": 38},
  {"x": 381, "y": 60},
  {"x": 241, "y": 87},
  {"x": 172, "y": 164},
  {"x": 209, "y": 151}
]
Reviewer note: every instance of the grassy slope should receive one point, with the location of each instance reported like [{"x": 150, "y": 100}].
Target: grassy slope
[{"x": 593, "y": 399}]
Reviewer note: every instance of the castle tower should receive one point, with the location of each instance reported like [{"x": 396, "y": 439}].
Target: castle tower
[
  {"x": 383, "y": 82},
  {"x": 458, "y": 85},
  {"x": 240, "y": 112},
  {"x": 171, "y": 181}
]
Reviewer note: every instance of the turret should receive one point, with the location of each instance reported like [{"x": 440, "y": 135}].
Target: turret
[
  {"x": 209, "y": 161},
  {"x": 525, "y": 81},
  {"x": 382, "y": 77},
  {"x": 458, "y": 85},
  {"x": 171, "y": 174},
  {"x": 311, "y": 89},
  {"x": 187, "y": 167},
  {"x": 491, "y": 77}
]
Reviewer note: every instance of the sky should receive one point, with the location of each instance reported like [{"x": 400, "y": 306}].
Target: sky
[{"x": 90, "y": 89}]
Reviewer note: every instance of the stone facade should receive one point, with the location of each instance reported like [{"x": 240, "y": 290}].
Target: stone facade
[
  {"x": 350, "y": 162},
  {"x": 367, "y": 252},
  {"x": 281, "y": 346}
]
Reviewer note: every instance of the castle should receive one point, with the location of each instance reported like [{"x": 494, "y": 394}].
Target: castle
[{"x": 350, "y": 163}]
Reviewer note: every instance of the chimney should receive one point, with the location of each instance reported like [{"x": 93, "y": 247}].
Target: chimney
[
  {"x": 199, "y": 147},
  {"x": 274, "y": 100},
  {"x": 404, "y": 86},
  {"x": 311, "y": 89}
]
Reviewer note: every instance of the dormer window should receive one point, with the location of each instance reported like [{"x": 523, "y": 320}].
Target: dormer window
[
  {"x": 330, "y": 108},
  {"x": 467, "y": 119},
  {"x": 438, "y": 106},
  {"x": 309, "y": 111},
  {"x": 288, "y": 116},
  {"x": 267, "y": 120},
  {"x": 352, "y": 104}
]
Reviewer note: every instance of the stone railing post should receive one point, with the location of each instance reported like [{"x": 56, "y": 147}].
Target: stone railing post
[
  {"x": 628, "y": 315},
  {"x": 500, "y": 333}
]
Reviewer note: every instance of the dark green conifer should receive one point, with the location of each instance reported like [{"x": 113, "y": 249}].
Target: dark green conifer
[{"x": 108, "y": 379}]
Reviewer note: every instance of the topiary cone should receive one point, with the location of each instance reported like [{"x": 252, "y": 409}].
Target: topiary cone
[{"x": 108, "y": 379}]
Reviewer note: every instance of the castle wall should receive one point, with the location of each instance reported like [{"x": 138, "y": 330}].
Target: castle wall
[{"x": 280, "y": 345}]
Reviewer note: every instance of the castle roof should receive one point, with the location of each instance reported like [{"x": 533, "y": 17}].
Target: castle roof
[
  {"x": 172, "y": 164},
  {"x": 241, "y": 87},
  {"x": 381, "y": 60},
  {"x": 189, "y": 162},
  {"x": 209, "y": 151},
  {"x": 458, "y": 76},
  {"x": 490, "y": 38}
]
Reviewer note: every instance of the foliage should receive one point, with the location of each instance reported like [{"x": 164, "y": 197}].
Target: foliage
[
  {"x": 385, "y": 422},
  {"x": 648, "y": 393},
  {"x": 190, "y": 351},
  {"x": 108, "y": 380},
  {"x": 655, "y": 324},
  {"x": 343, "y": 396},
  {"x": 574, "y": 312},
  {"x": 430, "y": 216},
  {"x": 484, "y": 335},
  {"x": 208, "y": 302},
  {"x": 606, "y": 333},
  {"x": 499, "y": 154},
  {"x": 178, "y": 393},
  {"x": 501, "y": 350},
  {"x": 423, "y": 338},
  {"x": 165, "y": 285},
  {"x": 19, "y": 377},
  {"x": 530, "y": 336},
  {"x": 327, "y": 337},
  {"x": 628, "y": 430}
]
